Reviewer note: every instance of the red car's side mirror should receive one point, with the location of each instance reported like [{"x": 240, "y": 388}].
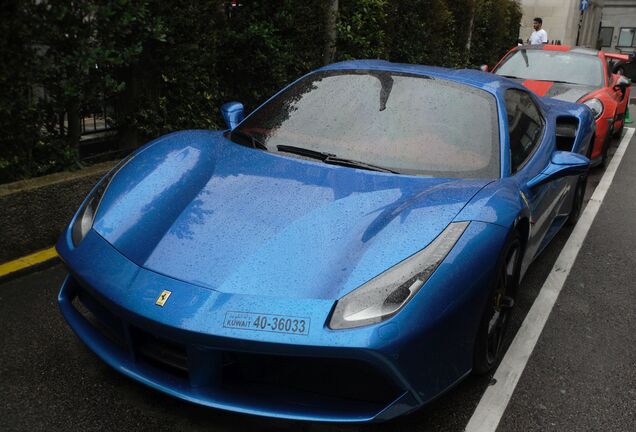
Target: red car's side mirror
[{"x": 621, "y": 83}]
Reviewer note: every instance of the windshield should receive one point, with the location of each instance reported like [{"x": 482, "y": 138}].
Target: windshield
[
  {"x": 405, "y": 123},
  {"x": 546, "y": 65}
]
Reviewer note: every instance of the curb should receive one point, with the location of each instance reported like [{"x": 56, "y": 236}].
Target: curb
[
  {"x": 34, "y": 212},
  {"x": 31, "y": 269}
]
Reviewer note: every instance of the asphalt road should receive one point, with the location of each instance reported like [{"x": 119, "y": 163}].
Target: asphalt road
[
  {"x": 582, "y": 375},
  {"x": 50, "y": 381}
]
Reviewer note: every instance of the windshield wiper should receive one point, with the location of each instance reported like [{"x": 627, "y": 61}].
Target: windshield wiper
[
  {"x": 560, "y": 82},
  {"x": 332, "y": 159},
  {"x": 314, "y": 154},
  {"x": 255, "y": 143},
  {"x": 510, "y": 76}
]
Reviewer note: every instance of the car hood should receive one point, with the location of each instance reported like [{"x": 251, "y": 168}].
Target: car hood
[
  {"x": 561, "y": 91},
  {"x": 198, "y": 208}
]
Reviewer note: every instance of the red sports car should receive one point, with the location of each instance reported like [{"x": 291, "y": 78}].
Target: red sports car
[{"x": 573, "y": 74}]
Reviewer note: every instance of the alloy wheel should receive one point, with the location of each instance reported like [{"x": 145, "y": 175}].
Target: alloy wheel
[{"x": 502, "y": 303}]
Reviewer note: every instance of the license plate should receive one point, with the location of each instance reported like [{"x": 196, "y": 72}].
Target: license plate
[{"x": 267, "y": 322}]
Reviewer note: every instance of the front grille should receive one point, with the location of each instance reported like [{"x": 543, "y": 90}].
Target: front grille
[
  {"x": 160, "y": 353},
  {"x": 99, "y": 317},
  {"x": 320, "y": 378}
]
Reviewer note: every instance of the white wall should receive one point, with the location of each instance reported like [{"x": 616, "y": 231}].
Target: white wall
[
  {"x": 591, "y": 25},
  {"x": 618, "y": 14}
]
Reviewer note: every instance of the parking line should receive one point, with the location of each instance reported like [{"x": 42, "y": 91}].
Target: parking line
[
  {"x": 494, "y": 401},
  {"x": 27, "y": 261}
]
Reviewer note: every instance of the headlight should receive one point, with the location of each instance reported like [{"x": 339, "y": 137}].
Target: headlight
[
  {"x": 383, "y": 296},
  {"x": 596, "y": 106},
  {"x": 86, "y": 214}
]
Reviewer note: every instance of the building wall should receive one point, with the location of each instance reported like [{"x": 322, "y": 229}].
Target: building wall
[
  {"x": 619, "y": 14},
  {"x": 561, "y": 20},
  {"x": 591, "y": 25}
]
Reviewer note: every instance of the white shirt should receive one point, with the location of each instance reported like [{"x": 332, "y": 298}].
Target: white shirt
[{"x": 538, "y": 37}]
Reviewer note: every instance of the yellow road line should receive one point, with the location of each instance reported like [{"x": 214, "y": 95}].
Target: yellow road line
[{"x": 27, "y": 261}]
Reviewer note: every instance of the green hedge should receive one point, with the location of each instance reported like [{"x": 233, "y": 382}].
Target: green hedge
[{"x": 166, "y": 66}]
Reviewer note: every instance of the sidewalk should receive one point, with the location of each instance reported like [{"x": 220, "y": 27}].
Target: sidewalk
[{"x": 582, "y": 373}]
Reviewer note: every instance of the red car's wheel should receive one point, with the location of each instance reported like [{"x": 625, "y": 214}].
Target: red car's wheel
[
  {"x": 619, "y": 131},
  {"x": 606, "y": 146}
]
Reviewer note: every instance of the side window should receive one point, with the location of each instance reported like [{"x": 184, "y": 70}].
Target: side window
[{"x": 525, "y": 126}]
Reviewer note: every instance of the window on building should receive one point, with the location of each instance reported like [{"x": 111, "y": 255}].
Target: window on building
[
  {"x": 626, "y": 37},
  {"x": 605, "y": 36}
]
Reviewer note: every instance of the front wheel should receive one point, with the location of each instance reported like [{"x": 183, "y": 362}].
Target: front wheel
[
  {"x": 606, "y": 146},
  {"x": 496, "y": 316},
  {"x": 618, "y": 132},
  {"x": 577, "y": 204}
]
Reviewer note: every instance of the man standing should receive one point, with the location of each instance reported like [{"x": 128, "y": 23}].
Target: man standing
[{"x": 538, "y": 36}]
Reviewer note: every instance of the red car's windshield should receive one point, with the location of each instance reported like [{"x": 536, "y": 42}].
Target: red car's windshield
[
  {"x": 406, "y": 123},
  {"x": 546, "y": 65}
]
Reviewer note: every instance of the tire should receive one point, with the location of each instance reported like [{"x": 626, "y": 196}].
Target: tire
[
  {"x": 618, "y": 132},
  {"x": 496, "y": 314},
  {"x": 620, "y": 70},
  {"x": 591, "y": 148},
  {"x": 606, "y": 146},
  {"x": 577, "y": 203}
]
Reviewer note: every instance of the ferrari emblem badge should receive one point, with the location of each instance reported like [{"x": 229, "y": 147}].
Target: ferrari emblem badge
[{"x": 161, "y": 300}]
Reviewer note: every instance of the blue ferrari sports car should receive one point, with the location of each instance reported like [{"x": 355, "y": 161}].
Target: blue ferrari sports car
[{"x": 347, "y": 252}]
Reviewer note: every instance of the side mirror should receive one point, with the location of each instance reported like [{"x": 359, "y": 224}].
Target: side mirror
[
  {"x": 232, "y": 114},
  {"x": 622, "y": 83},
  {"x": 484, "y": 68},
  {"x": 562, "y": 164}
]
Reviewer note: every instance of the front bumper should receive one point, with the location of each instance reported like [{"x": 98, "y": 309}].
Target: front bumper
[
  {"x": 370, "y": 373},
  {"x": 184, "y": 350},
  {"x": 217, "y": 373}
]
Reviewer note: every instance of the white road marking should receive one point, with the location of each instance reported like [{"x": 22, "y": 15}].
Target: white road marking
[{"x": 496, "y": 398}]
